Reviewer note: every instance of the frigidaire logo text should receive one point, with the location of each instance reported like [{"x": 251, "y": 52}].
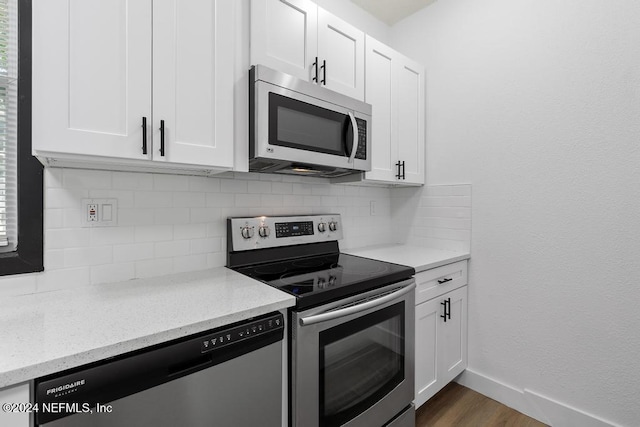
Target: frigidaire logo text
[{"x": 65, "y": 387}]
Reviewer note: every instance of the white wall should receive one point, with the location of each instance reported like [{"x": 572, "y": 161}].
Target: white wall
[
  {"x": 171, "y": 223},
  {"x": 537, "y": 105},
  {"x": 357, "y": 17}
]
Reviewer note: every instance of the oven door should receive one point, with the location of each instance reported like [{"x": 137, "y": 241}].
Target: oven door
[
  {"x": 295, "y": 127},
  {"x": 352, "y": 360}
]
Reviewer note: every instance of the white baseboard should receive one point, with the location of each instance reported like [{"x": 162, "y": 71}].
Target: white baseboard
[{"x": 535, "y": 405}]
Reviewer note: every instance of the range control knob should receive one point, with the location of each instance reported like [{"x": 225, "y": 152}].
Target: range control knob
[
  {"x": 333, "y": 225},
  {"x": 322, "y": 227},
  {"x": 247, "y": 232},
  {"x": 264, "y": 231}
]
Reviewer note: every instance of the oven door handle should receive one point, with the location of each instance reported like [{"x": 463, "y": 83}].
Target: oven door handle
[
  {"x": 334, "y": 314},
  {"x": 356, "y": 137}
]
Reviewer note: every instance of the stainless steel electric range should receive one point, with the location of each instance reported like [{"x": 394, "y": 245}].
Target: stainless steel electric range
[{"x": 351, "y": 334}]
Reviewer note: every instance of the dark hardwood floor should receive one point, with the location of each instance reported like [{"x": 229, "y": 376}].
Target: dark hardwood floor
[{"x": 459, "y": 406}]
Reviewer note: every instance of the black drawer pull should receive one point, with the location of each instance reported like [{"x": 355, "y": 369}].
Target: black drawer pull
[
  {"x": 324, "y": 72},
  {"x": 445, "y": 280}
]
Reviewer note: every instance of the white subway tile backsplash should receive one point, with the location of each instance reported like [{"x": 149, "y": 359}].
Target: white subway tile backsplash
[
  {"x": 200, "y": 215},
  {"x": 153, "y": 233},
  {"x": 63, "y": 278},
  {"x": 233, "y": 186},
  {"x": 153, "y": 199},
  {"x": 172, "y": 248},
  {"x": 112, "y": 273},
  {"x": 60, "y": 238},
  {"x": 53, "y": 259},
  {"x": 154, "y": 267},
  {"x": 187, "y": 263},
  {"x": 64, "y": 197},
  {"x": 259, "y": 187},
  {"x": 189, "y": 199},
  {"x": 171, "y": 216},
  {"x": 54, "y": 219},
  {"x": 111, "y": 235},
  {"x": 434, "y": 216},
  {"x": 77, "y": 178},
  {"x": 176, "y": 223},
  {"x": 130, "y": 180},
  {"x": 207, "y": 245},
  {"x": 247, "y": 200},
  {"x": 163, "y": 182},
  {"x": 190, "y": 231},
  {"x": 204, "y": 184},
  {"x": 282, "y": 187},
  {"x": 132, "y": 252},
  {"x": 91, "y": 255}
]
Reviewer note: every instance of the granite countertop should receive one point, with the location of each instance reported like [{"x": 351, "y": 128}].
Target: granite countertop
[
  {"x": 48, "y": 332},
  {"x": 414, "y": 256}
]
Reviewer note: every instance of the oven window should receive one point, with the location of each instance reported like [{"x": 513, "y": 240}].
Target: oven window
[
  {"x": 296, "y": 124},
  {"x": 360, "y": 362}
]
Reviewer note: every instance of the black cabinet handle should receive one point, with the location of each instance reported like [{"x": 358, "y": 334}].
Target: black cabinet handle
[
  {"x": 324, "y": 72},
  {"x": 398, "y": 175},
  {"x": 445, "y": 280},
  {"x": 144, "y": 135},
  {"x": 315, "y": 66},
  {"x": 403, "y": 177},
  {"x": 162, "y": 138},
  {"x": 447, "y": 309}
]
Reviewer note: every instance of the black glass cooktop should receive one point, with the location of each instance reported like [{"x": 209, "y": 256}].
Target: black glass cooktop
[{"x": 319, "y": 279}]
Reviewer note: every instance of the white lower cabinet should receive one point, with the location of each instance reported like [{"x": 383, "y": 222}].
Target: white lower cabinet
[
  {"x": 13, "y": 416},
  {"x": 441, "y": 336}
]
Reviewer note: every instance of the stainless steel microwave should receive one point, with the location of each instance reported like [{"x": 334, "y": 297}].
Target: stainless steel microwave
[{"x": 296, "y": 127}]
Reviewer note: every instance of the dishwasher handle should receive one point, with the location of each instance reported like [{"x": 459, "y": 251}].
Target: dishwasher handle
[{"x": 334, "y": 314}]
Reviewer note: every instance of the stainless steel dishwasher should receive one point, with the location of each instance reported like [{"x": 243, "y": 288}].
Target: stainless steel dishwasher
[{"x": 229, "y": 376}]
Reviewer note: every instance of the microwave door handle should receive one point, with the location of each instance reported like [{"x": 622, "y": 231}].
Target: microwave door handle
[
  {"x": 323, "y": 317},
  {"x": 356, "y": 137}
]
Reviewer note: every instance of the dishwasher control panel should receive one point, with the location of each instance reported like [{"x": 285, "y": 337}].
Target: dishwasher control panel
[{"x": 246, "y": 331}]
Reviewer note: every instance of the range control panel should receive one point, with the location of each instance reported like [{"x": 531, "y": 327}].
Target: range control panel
[
  {"x": 268, "y": 232},
  {"x": 244, "y": 332}
]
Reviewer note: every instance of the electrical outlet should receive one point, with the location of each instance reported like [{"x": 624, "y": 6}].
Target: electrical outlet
[
  {"x": 372, "y": 208},
  {"x": 99, "y": 212},
  {"x": 92, "y": 212}
]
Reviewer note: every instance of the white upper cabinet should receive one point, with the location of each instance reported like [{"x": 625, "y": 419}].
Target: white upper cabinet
[
  {"x": 340, "y": 55},
  {"x": 91, "y": 76},
  {"x": 299, "y": 38},
  {"x": 107, "y": 73},
  {"x": 284, "y": 35},
  {"x": 394, "y": 86},
  {"x": 193, "y": 82}
]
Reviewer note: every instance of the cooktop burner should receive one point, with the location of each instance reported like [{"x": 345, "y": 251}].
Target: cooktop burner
[
  {"x": 327, "y": 276},
  {"x": 302, "y": 258}
]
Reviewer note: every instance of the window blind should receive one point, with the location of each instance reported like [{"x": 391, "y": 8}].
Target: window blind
[{"x": 8, "y": 124}]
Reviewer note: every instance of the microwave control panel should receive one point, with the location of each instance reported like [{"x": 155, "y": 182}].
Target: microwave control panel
[{"x": 361, "y": 151}]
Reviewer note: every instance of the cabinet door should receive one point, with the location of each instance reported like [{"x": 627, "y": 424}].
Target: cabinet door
[
  {"x": 452, "y": 341},
  {"x": 341, "y": 55},
  {"x": 428, "y": 322},
  {"x": 410, "y": 124},
  {"x": 91, "y": 76},
  {"x": 380, "y": 88},
  {"x": 284, "y": 35},
  {"x": 193, "y": 80}
]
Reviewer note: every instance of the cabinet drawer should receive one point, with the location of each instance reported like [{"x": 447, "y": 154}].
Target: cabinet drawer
[{"x": 437, "y": 281}]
